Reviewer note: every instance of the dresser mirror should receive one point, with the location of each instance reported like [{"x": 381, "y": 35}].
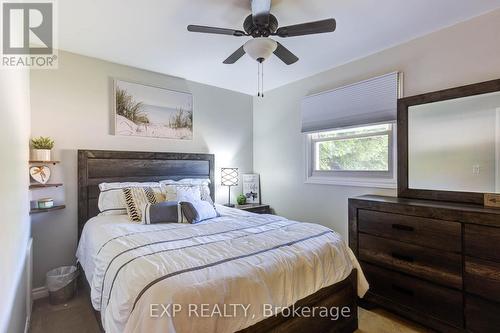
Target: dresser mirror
[{"x": 449, "y": 144}]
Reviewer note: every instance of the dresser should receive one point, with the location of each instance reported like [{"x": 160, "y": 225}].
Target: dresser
[{"x": 436, "y": 263}]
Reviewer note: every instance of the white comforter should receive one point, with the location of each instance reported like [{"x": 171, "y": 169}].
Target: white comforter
[{"x": 240, "y": 259}]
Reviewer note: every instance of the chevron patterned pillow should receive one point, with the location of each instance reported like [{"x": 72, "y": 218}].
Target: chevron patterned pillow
[{"x": 137, "y": 197}]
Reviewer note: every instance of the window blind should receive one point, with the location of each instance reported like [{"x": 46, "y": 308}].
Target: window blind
[{"x": 367, "y": 102}]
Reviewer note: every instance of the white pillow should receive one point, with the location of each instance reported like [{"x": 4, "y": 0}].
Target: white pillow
[
  {"x": 173, "y": 192},
  {"x": 111, "y": 199},
  {"x": 112, "y": 186},
  {"x": 198, "y": 187},
  {"x": 191, "y": 181}
]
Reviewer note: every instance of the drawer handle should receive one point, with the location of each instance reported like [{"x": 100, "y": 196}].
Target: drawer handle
[
  {"x": 402, "y": 257},
  {"x": 402, "y": 227},
  {"x": 402, "y": 290}
]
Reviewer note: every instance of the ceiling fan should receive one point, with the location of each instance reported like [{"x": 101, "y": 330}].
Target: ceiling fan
[{"x": 261, "y": 25}]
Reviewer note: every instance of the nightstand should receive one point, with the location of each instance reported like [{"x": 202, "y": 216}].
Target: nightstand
[{"x": 255, "y": 208}]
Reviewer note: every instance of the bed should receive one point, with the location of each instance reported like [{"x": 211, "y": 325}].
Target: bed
[{"x": 238, "y": 272}]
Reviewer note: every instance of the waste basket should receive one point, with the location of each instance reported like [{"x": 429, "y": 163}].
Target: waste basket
[{"x": 61, "y": 283}]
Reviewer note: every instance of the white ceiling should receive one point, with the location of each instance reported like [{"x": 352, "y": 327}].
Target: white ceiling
[{"x": 151, "y": 34}]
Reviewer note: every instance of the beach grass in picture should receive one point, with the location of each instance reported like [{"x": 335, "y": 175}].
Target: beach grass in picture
[{"x": 142, "y": 110}]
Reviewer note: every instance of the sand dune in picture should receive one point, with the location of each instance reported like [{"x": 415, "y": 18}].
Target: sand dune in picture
[
  {"x": 129, "y": 128},
  {"x": 152, "y": 112}
]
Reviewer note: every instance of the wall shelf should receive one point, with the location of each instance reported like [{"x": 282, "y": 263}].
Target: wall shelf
[
  {"x": 44, "y": 162},
  {"x": 45, "y": 210},
  {"x": 37, "y": 186}
]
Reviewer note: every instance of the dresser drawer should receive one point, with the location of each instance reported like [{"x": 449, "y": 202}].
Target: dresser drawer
[
  {"x": 433, "y": 265},
  {"x": 482, "y": 242},
  {"x": 432, "y": 233},
  {"x": 481, "y": 316},
  {"x": 482, "y": 278},
  {"x": 423, "y": 297}
]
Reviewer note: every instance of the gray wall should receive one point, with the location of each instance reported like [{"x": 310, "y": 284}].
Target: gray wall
[
  {"x": 463, "y": 54},
  {"x": 14, "y": 203},
  {"x": 73, "y": 105}
]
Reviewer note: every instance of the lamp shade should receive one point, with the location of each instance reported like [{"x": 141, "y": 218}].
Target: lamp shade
[
  {"x": 229, "y": 176},
  {"x": 260, "y": 48}
]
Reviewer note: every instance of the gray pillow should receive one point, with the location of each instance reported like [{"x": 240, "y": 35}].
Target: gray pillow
[
  {"x": 197, "y": 211},
  {"x": 163, "y": 212}
]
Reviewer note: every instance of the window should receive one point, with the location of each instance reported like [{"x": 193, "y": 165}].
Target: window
[{"x": 358, "y": 156}]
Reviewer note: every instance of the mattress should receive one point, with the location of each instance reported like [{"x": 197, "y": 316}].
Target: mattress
[{"x": 220, "y": 275}]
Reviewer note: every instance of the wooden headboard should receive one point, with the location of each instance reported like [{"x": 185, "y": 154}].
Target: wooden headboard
[{"x": 99, "y": 166}]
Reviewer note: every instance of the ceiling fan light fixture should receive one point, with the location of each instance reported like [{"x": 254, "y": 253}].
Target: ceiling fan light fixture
[{"x": 260, "y": 48}]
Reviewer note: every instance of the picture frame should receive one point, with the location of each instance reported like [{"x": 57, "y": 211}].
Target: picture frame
[
  {"x": 147, "y": 111},
  {"x": 251, "y": 187}
]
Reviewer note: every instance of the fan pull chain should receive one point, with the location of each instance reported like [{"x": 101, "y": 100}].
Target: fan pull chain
[
  {"x": 258, "y": 79},
  {"x": 262, "y": 78}
]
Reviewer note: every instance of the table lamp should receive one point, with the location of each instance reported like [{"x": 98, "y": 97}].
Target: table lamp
[{"x": 229, "y": 177}]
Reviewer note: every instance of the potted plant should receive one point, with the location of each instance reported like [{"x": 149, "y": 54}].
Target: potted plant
[
  {"x": 41, "y": 148},
  {"x": 241, "y": 199}
]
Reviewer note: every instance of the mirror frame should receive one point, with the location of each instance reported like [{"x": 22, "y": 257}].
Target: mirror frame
[{"x": 403, "y": 105}]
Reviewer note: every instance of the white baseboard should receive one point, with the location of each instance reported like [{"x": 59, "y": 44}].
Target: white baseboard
[{"x": 40, "y": 292}]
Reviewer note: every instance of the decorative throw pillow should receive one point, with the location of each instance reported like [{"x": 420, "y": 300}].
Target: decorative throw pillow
[
  {"x": 188, "y": 194},
  {"x": 170, "y": 188},
  {"x": 173, "y": 191},
  {"x": 111, "y": 199},
  {"x": 136, "y": 199},
  {"x": 163, "y": 212},
  {"x": 205, "y": 193},
  {"x": 197, "y": 211}
]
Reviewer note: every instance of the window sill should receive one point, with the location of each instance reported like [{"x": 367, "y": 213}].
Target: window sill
[{"x": 378, "y": 183}]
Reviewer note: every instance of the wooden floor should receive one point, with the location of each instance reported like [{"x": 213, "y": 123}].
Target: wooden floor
[{"x": 77, "y": 317}]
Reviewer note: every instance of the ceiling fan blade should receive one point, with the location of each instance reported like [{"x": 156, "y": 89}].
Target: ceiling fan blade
[
  {"x": 260, "y": 12},
  {"x": 235, "y": 56},
  {"x": 310, "y": 28},
  {"x": 213, "y": 30},
  {"x": 285, "y": 55}
]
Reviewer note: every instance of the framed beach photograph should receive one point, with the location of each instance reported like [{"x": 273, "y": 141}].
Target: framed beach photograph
[
  {"x": 251, "y": 187},
  {"x": 146, "y": 111}
]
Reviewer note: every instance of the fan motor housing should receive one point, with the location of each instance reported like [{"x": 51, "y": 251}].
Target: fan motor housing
[{"x": 260, "y": 31}]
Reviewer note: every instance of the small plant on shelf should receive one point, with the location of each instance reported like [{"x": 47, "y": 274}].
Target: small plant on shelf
[
  {"x": 41, "y": 148},
  {"x": 42, "y": 143}
]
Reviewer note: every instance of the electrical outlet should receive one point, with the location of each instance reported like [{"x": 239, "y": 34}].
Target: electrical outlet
[
  {"x": 492, "y": 200},
  {"x": 476, "y": 169}
]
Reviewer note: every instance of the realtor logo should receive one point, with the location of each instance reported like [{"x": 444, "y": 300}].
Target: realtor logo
[{"x": 28, "y": 34}]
